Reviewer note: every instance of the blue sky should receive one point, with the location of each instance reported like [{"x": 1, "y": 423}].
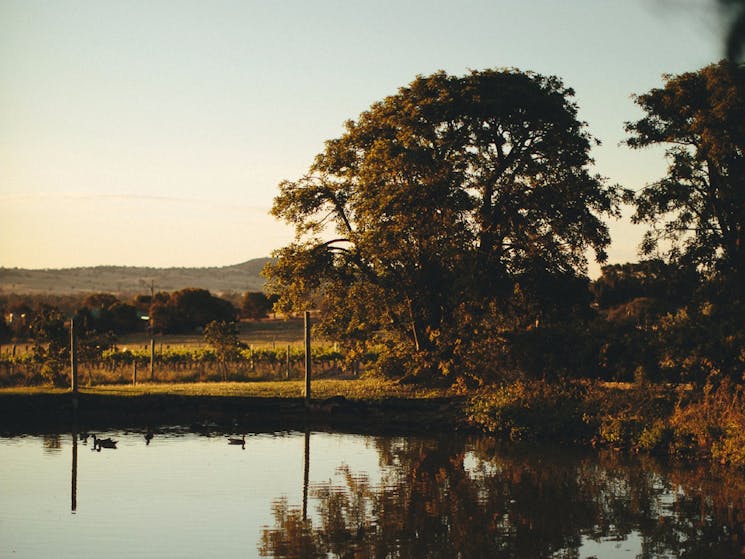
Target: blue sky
[{"x": 155, "y": 132}]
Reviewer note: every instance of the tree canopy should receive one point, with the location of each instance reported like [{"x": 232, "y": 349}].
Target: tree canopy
[
  {"x": 188, "y": 309},
  {"x": 442, "y": 207},
  {"x": 698, "y": 208},
  {"x": 255, "y": 305}
]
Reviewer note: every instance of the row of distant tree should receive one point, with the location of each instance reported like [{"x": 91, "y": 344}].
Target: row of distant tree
[
  {"x": 183, "y": 311},
  {"x": 99, "y": 319}
]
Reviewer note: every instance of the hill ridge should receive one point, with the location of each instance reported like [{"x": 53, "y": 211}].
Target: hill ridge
[{"x": 133, "y": 279}]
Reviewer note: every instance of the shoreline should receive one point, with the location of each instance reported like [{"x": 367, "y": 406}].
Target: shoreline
[
  {"x": 700, "y": 426},
  {"x": 37, "y": 412}
]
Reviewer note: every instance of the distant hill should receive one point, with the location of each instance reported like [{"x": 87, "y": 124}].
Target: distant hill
[{"x": 132, "y": 280}]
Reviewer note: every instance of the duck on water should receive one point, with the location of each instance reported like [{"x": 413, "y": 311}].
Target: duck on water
[
  {"x": 236, "y": 441},
  {"x": 98, "y": 443}
]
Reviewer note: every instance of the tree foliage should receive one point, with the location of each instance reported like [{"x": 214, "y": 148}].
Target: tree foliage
[
  {"x": 222, "y": 337},
  {"x": 51, "y": 347},
  {"x": 255, "y": 305},
  {"x": 188, "y": 309},
  {"x": 697, "y": 214},
  {"x": 451, "y": 203},
  {"x": 104, "y": 312},
  {"x": 619, "y": 284},
  {"x": 698, "y": 208}
]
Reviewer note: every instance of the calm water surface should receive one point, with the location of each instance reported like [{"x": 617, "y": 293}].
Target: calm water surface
[{"x": 336, "y": 495}]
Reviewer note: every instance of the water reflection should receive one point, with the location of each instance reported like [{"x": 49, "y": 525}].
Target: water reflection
[
  {"x": 332, "y": 495},
  {"x": 455, "y": 498},
  {"x": 74, "y": 472},
  {"x": 306, "y": 474},
  {"x": 52, "y": 443}
]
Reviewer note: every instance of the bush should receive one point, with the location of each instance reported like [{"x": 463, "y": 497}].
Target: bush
[
  {"x": 714, "y": 423},
  {"x": 532, "y": 410},
  {"x": 53, "y": 372},
  {"x": 656, "y": 438}
]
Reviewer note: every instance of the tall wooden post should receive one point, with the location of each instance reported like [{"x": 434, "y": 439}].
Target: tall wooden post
[
  {"x": 152, "y": 333},
  {"x": 307, "y": 357},
  {"x": 152, "y": 359},
  {"x": 134, "y": 372},
  {"x": 73, "y": 358},
  {"x": 287, "y": 375}
]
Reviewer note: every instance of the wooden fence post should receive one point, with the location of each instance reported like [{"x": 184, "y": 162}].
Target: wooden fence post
[
  {"x": 307, "y": 357},
  {"x": 287, "y": 375},
  {"x": 152, "y": 359},
  {"x": 134, "y": 372}
]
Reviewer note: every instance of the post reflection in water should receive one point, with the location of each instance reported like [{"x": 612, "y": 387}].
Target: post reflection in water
[
  {"x": 306, "y": 474},
  {"x": 74, "y": 473},
  {"x": 74, "y": 467},
  {"x": 452, "y": 498}
]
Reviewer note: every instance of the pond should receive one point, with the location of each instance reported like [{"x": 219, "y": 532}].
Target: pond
[{"x": 182, "y": 493}]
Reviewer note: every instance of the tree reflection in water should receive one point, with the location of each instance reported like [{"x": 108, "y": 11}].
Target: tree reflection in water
[{"x": 467, "y": 498}]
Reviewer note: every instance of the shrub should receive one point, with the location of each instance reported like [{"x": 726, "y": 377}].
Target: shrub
[
  {"x": 714, "y": 422},
  {"x": 531, "y": 410}
]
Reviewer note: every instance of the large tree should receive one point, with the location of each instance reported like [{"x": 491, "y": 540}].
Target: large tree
[
  {"x": 698, "y": 209},
  {"x": 445, "y": 200}
]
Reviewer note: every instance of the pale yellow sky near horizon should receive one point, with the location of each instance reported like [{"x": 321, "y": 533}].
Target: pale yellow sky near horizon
[{"x": 155, "y": 134}]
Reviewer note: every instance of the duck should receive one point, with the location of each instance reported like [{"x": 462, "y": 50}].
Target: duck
[
  {"x": 236, "y": 441},
  {"x": 108, "y": 442}
]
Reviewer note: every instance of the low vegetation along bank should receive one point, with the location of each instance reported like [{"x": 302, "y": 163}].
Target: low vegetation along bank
[
  {"x": 682, "y": 422},
  {"x": 706, "y": 424}
]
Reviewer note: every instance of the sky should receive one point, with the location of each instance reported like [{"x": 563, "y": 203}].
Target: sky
[{"x": 156, "y": 132}]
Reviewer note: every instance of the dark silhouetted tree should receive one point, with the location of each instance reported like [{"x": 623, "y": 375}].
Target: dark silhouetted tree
[
  {"x": 446, "y": 199},
  {"x": 255, "y": 305},
  {"x": 104, "y": 312},
  {"x": 698, "y": 208},
  {"x": 188, "y": 309},
  {"x": 697, "y": 213},
  {"x": 655, "y": 279}
]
